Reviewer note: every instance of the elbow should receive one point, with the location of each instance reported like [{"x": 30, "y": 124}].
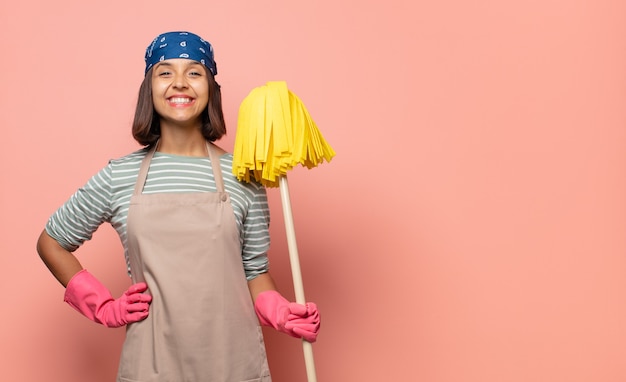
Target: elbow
[
  {"x": 45, "y": 245},
  {"x": 40, "y": 242}
]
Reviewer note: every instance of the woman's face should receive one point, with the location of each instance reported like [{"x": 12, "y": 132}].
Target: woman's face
[{"x": 180, "y": 91}]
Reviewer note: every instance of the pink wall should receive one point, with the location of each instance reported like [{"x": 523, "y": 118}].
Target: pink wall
[{"x": 471, "y": 227}]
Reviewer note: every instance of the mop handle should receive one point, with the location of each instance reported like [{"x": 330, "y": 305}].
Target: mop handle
[{"x": 296, "y": 273}]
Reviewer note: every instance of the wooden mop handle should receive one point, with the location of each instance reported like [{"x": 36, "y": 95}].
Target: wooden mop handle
[{"x": 296, "y": 273}]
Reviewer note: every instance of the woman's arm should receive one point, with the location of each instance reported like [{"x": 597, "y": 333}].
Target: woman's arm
[
  {"x": 86, "y": 294},
  {"x": 61, "y": 262},
  {"x": 261, "y": 283}
]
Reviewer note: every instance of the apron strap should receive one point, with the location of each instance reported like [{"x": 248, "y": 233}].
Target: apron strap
[
  {"x": 217, "y": 168},
  {"x": 143, "y": 170}
]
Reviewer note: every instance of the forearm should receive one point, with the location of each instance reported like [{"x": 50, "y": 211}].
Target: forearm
[
  {"x": 261, "y": 283},
  {"x": 61, "y": 262}
]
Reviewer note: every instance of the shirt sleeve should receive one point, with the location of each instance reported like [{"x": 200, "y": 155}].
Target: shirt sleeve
[
  {"x": 81, "y": 215},
  {"x": 256, "y": 235}
]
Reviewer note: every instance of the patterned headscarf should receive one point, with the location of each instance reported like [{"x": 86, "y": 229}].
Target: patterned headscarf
[{"x": 180, "y": 45}]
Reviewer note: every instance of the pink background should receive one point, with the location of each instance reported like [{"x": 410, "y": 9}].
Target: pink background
[{"x": 471, "y": 227}]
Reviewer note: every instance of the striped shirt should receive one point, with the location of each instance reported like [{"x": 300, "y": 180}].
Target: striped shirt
[{"x": 106, "y": 198}]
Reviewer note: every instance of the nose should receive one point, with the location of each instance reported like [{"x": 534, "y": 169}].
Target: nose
[{"x": 180, "y": 82}]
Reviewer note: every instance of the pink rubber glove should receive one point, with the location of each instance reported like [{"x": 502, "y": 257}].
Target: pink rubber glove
[
  {"x": 297, "y": 320},
  {"x": 88, "y": 296}
]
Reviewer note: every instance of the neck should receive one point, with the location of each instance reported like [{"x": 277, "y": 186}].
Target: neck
[{"x": 184, "y": 143}]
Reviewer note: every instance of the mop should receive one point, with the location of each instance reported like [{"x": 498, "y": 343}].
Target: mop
[{"x": 274, "y": 134}]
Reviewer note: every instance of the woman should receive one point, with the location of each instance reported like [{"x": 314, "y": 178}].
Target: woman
[{"x": 195, "y": 238}]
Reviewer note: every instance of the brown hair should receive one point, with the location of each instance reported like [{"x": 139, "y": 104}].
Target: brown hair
[{"x": 146, "y": 127}]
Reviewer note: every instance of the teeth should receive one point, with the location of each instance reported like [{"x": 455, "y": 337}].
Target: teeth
[{"x": 180, "y": 100}]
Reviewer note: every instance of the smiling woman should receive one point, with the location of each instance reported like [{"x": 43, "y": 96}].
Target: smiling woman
[{"x": 195, "y": 239}]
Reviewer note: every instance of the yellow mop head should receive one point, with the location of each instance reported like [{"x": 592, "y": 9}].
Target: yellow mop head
[{"x": 275, "y": 133}]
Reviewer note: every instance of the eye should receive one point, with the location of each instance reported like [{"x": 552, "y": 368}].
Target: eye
[
  {"x": 194, "y": 73},
  {"x": 163, "y": 73}
]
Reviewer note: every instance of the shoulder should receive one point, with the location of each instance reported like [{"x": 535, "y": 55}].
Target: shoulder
[
  {"x": 251, "y": 189},
  {"x": 129, "y": 159},
  {"x": 128, "y": 163},
  {"x": 124, "y": 169}
]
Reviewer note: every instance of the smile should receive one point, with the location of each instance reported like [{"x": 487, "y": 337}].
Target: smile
[{"x": 180, "y": 100}]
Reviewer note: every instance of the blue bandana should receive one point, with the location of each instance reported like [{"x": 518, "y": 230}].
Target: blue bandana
[{"x": 180, "y": 45}]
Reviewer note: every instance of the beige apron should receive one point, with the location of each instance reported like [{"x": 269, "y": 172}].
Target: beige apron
[{"x": 202, "y": 326}]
